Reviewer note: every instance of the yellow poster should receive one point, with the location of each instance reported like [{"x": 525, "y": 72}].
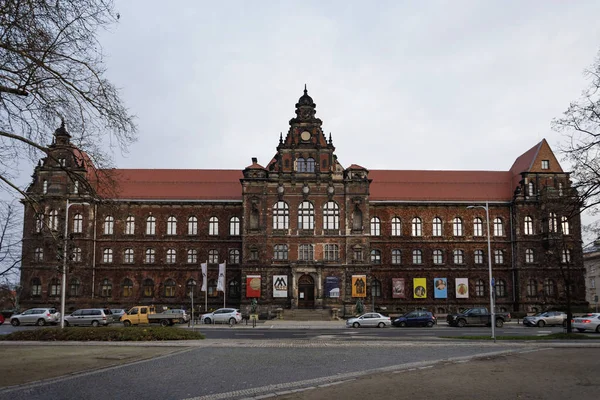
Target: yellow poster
[
  {"x": 420, "y": 288},
  {"x": 359, "y": 286}
]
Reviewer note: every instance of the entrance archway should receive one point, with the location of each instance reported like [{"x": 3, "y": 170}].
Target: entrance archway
[{"x": 306, "y": 292}]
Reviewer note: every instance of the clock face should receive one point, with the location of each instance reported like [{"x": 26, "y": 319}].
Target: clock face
[{"x": 305, "y": 136}]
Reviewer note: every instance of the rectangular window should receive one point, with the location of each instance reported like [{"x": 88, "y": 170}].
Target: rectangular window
[
  {"x": 332, "y": 252},
  {"x": 305, "y": 252},
  {"x": 545, "y": 164}
]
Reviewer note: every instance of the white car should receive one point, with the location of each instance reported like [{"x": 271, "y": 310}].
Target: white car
[
  {"x": 369, "y": 319},
  {"x": 36, "y": 316},
  {"x": 589, "y": 322},
  {"x": 222, "y": 315}
]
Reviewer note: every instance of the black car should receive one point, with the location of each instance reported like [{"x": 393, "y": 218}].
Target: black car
[{"x": 415, "y": 318}]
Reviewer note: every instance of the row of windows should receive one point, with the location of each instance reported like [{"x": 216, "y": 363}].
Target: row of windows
[
  {"x": 171, "y": 256},
  {"x": 416, "y": 227},
  {"x": 552, "y": 225}
]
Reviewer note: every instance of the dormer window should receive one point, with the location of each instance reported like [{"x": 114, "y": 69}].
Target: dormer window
[
  {"x": 545, "y": 164},
  {"x": 62, "y": 162},
  {"x": 307, "y": 165}
]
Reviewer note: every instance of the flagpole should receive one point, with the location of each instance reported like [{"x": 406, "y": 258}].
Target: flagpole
[{"x": 224, "y": 282}]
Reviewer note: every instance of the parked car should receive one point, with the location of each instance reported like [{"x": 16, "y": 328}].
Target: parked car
[
  {"x": 546, "y": 318},
  {"x": 186, "y": 316},
  {"x": 415, "y": 318},
  {"x": 590, "y": 322},
  {"x": 36, "y": 316},
  {"x": 89, "y": 316},
  {"x": 369, "y": 319},
  {"x": 1, "y": 319},
  {"x": 117, "y": 313},
  {"x": 222, "y": 315}
]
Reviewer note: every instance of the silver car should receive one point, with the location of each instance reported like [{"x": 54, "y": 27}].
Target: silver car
[
  {"x": 89, "y": 316},
  {"x": 222, "y": 315},
  {"x": 589, "y": 322},
  {"x": 36, "y": 316},
  {"x": 369, "y": 319},
  {"x": 546, "y": 318}
]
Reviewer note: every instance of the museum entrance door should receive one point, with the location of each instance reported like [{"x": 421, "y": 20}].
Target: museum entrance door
[{"x": 306, "y": 292}]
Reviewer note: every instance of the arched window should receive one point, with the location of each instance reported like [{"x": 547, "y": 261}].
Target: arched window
[
  {"x": 74, "y": 287},
  {"x": 300, "y": 164},
  {"x": 38, "y": 254},
  {"x": 212, "y": 288},
  {"x": 127, "y": 288},
  {"x": 53, "y": 220},
  {"x": 150, "y": 256},
  {"x": 109, "y": 225},
  {"x": 128, "y": 256},
  {"x": 375, "y": 256},
  {"x": 172, "y": 226},
  {"x": 566, "y": 256},
  {"x": 375, "y": 288},
  {"x": 531, "y": 189},
  {"x": 213, "y": 256},
  {"x": 479, "y": 288},
  {"x": 331, "y": 216},
  {"x": 498, "y": 257},
  {"x": 417, "y": 226},
  {"x": 477, "y": 226},
  {"x": 148, "y": 288},
  {"x": 234, "y": 289},
  {"x": 106, "y": 288},
  {"x": 280, "y": 252},
  {"x": 498, "y": 227},
  {"x": 552, "y": 223},
  {"x": 332, "y": 252},
  {"x": 306, "y": 252},
  {"x": 532, "y": 288},
  {"x": 310, "y": 165},
  {"x": 192, "y": 225},
  {"x": 564, "y": 224},
  {"x": 306, "y": 216},
  {"x": 234, "y": 256},
  {"x": 417, "y": 257},
  {"x": 478, "y": 256},
  {"x": 77, "y": 223},
  {"x": 45, "y": 186},
  {"x": 151, "y": 225},
  {"x": 549, "y": 288},
  {"x": 396, "y": 257},
  {"x": 281, "y": 215},
  {"x": 130, "y": 225},
  {"x": 528, "y": 225},
  {"x": 457, "y": 227},
  {"x": 437, "y": 227},
  {"x": 39, "y": 223},
  {"x": 171, "y": 256},
  {"x": 213, "y": 226},
  {"x": 54, "y": 288},
  {"x": 529, "y": 256},
  {"x": 375, "y": 226},
  {"x": 107, "y": 256},
  {"x": 234, "y": 226},
  {"x": 191, "y": 287},
  {"x": 459, "y": 256},
  {"x": 500, "y": 288},
  {"x": 192, "y": 256},
  {"x": 438, "y": 257},
  {"x": 396, "y": 227},
  {"x": 36, "y": 287},
  {"x": 170, "y": 288}
]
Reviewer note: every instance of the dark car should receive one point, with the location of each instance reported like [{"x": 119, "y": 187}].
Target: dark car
[
  {"x": 415, "y": 318},
  {"x": 1, "y": 319}
]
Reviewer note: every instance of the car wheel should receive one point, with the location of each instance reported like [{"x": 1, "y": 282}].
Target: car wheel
[
  {"x": 232, "y": 321},
  {"x": 381, "y": 325},
  {"x": 461, "y": 323},
  {"x": 402, "y": 324},
  {"x": 66, "y": 323},
  {"x": 164, "y": 322},
  {"x": 598, "y": 329},
  {"x": 207, "y": 320},
  {"x": 95, "y": 324},
  {"x": 499, "y": 323},
  {"x": 126, "y": 323},
  {"x": 541, "y": 324},
  {"x": 40, "y": 322},
  {"x": 356, "y": 325},
  {"x": 429, "y": 324},
  {"x": 15, "y": 322},
  {"x": 581, "y": 329}
]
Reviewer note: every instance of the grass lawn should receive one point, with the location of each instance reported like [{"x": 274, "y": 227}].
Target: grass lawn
[{"x": 105, "y": 334}]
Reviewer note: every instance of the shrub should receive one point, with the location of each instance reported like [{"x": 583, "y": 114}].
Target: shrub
[{"x": 105, "y": 334}]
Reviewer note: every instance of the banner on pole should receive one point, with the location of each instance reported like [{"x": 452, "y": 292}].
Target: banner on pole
[
  {"x": 203, "y": 268},
  {"x": 221, "y": 280},
  {"x": 280, "y": 285},
  {"x": 252, "y": 285}
]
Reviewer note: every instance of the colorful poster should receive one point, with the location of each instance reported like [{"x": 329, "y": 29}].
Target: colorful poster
[
  {"x": 252, "y": 285},
  {"x": 280, "y": 285},
  {"x": 462, "y": 288},
  {"x": 420, "y": 288},
  {"x": 332, "y": 286},
  {"x": 440, "y": 288},
  {"x": 359, "y": 286},
  {"x": 398, "y": 288}
]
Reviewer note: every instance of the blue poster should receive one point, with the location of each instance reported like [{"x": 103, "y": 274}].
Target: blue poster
[
  {"x": 332, "y": 286},
  {"x": 440, "y": 288}
]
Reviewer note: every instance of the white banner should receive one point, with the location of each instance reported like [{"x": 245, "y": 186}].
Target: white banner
[
  {"x": 221, "y": 280},
  {"x": 462, "y": 288},
  {"x": 280, "y": 285},
  {"x": 203, "y": 267}
]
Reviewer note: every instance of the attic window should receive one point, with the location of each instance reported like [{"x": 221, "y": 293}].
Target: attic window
[
  {"x": 62, "y": 162},
  {"x": 545, "y": 164}
]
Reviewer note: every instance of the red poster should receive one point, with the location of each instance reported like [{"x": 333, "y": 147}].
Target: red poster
[{"x": 252, "y": 286}]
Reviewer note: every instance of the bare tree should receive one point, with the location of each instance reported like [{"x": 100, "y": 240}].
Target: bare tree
[
  {"x": 52, "y": 68},
  {"x": 10, "y": 241},
  {"x": 581, "y": 125}
]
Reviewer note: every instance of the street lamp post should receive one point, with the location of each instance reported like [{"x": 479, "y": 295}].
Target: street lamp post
[
  {"x": 491, "y": 279},
  {"x": 63, "y": 290},
  {"x": 192, "y": 288}
]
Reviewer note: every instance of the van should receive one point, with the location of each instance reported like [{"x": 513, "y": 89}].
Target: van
[{"x": 89, "y": 316}]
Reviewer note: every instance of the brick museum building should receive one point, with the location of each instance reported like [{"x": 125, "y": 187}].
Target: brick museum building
[{"x": 301, "y": 231}]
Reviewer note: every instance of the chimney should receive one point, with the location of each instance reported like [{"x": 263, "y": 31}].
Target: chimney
[{"x": 254, "y": 160}]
